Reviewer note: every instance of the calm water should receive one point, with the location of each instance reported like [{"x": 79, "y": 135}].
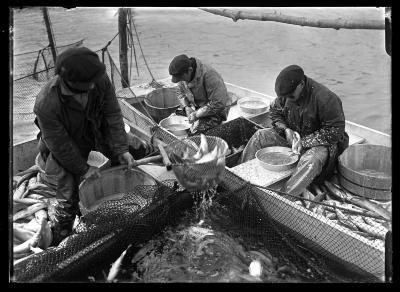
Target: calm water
[{"x": 352, "y": 63}]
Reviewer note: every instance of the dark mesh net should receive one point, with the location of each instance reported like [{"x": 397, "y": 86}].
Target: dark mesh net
[{"x": 102, "y": 234}]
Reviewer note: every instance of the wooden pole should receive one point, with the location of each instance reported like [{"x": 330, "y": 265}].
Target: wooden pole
[
  {"x": 50, "y": 34},
  {"x": 388, "y": 30},
  {"x": 123, "y": 46},
  {"x": 302, "y": 21}
]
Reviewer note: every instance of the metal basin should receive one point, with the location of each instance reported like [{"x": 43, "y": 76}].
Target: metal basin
[
  {"x": 277, "y": 158},
  {"x": 253, "y": 105},
  {"x": 161, "y": 102},
  {"x": 177, "y": 125}
]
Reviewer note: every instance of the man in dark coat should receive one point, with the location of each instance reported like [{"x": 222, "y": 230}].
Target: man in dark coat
[
  {"x": 308, "y": 109},
  {"x": 201, "y": 91},
  {"x": 77, "y": 111}
]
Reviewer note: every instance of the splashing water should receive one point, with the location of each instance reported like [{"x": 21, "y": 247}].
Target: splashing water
[{"x": 203, "y": 201}]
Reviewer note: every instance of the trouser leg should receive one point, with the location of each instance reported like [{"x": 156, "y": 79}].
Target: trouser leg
[
  {"x": 309, "y": 166},
  {"x": 62, "y": 211},
  {"x": 261, "y": 139}
]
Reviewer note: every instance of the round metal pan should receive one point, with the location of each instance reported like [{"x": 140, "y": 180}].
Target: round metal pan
[{"x": 277, "y": 158}]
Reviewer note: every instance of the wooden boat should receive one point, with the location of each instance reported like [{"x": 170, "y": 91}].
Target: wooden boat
[{"x": 317, "y": 231}]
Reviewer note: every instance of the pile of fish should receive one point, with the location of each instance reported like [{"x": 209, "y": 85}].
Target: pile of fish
[
  {"x": 32, "y": 206},
  {"x": 203, "y": 155},
  {"x": 368, "y": 218},
  {"x": 200, "y": 252}
]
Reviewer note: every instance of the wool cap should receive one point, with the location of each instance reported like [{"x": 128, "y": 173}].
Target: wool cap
[
  {"x": 288, "y": 79},
  {"x": 79, "y": 64},
  {"x": 179, "y": 65}
]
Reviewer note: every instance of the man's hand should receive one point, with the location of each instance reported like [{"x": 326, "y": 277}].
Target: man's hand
[
  {"x": 192, "y": 117},
  {"x": 93, "y": 172},
  {"x": 126, "y": 158},
  {"x": 289, "y": 133},
  {"x": 188, "y": 110},
  {"x": 296, "y": 146}
]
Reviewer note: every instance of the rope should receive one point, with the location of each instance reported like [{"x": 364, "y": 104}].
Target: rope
[
  {"x": 109, "y": 43},
  {"x": 116, "y": 68},
  {"x": 131, "y": 44},
  {"x": 58, "y": 47},
  {"x": 140, "y": 46}
]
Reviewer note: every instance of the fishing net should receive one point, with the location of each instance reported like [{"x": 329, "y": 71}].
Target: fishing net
[
  {"x": 32, "y": 70},
  {"x": 291, "y": 233},
  {"x": 196, "y": 176},
  {"x": 103, "y": 233}
]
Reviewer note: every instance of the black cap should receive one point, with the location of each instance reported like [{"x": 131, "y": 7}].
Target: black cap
[
  {"x": 79, "y": 64},
  {"x": 288, "y": 79},
  {"x": 179, "y": 65}
]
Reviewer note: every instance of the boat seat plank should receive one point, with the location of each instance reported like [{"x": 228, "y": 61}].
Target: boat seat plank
[{"x": 254, "y": 173}]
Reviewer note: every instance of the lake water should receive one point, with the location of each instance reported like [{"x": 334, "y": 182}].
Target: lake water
[{"x": 352, "y": 63}]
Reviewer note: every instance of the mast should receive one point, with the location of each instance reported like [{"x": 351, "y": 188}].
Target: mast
[
  {"x": 123, "y": 46},
  {"x": 50, "y": 34}
]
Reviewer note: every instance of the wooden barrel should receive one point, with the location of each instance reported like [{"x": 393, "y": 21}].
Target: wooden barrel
[
  {"x": 366, "y": 170},
  {"x": 113, "y": 184}
]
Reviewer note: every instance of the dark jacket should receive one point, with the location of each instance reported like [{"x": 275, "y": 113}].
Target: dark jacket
[
  {"x": 317, "y": 116},
  {"x": 207, "y": 90},
  {"x": 71, "y": 132}
]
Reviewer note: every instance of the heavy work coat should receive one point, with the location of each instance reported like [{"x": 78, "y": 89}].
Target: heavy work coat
[
  {"x": 317, "y": 116},
  {"x": 207, "y": 91},
  {"x": 71, "y": 132}
]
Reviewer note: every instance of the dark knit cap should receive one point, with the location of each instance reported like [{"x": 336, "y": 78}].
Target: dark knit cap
[
  {"x": 79, "y": 64},
  {"x": 288, "y": 79},
  {"x": 179, "y": 65}
]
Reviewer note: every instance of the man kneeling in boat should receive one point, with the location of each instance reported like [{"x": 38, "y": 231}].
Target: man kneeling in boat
[
  {"x": 77, "y": 112},
  {"x": 308, "y": 117},
  {"x": 201, "y": 91}
]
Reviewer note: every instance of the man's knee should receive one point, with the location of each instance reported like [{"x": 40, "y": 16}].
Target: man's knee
[
  {"x": 316, "y": 157},
  {"x": 265, "y": 134},
  {"x": 268, "y": 137}
]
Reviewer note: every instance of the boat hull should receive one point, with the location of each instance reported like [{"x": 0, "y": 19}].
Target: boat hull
[{"x": 318, "y": 232}]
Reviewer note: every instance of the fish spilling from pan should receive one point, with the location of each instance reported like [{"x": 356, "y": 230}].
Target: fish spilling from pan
[{"x": 203, "y": 154}]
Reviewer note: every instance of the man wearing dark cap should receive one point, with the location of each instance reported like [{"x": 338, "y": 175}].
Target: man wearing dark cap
[
  {"x": 77, "y": 111},
  {"x": 202, "y": 92},
  {"x": 309, "y": 118}
]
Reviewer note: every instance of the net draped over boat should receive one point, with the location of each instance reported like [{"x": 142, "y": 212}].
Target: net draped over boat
[{"x": 104, "y": 233}]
